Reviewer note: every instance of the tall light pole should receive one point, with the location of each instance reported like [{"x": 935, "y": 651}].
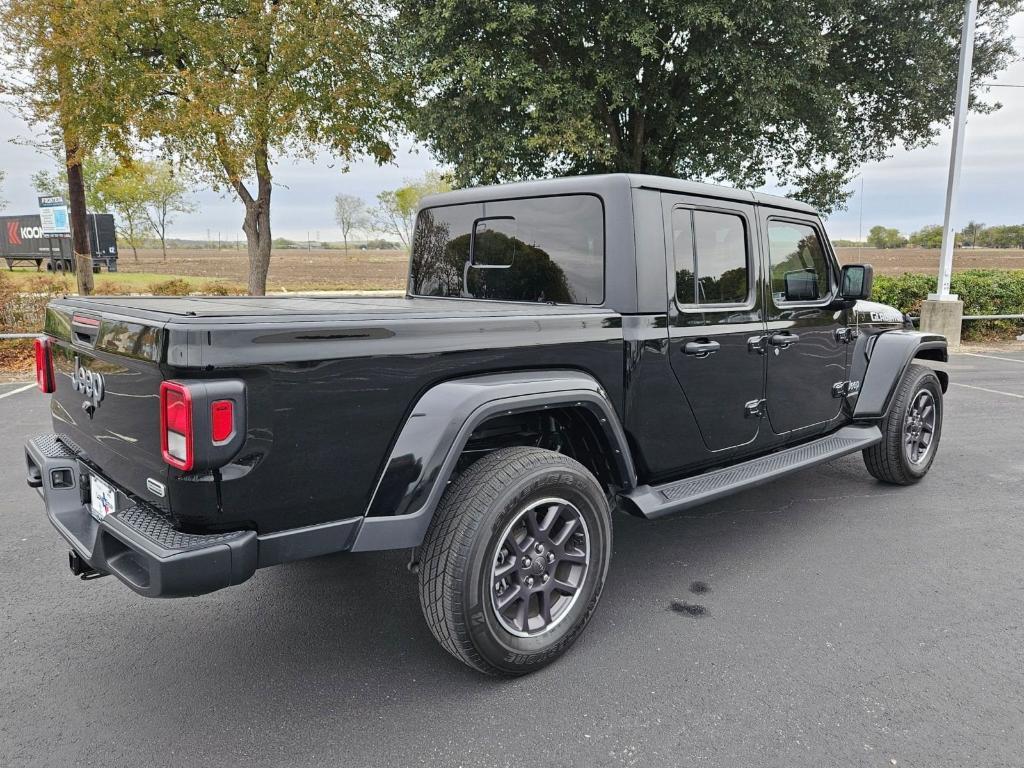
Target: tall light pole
[
  {"x": 860, "y": 221},
  {"x": 943, "y": 312}
]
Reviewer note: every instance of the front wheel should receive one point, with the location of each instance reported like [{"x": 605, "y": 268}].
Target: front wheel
[
  {"x": 515, "y": 559},
  {"x": 910, "y": 433}
]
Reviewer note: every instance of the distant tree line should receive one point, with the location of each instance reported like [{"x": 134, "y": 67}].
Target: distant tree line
[{"x": 974, "y": 235}]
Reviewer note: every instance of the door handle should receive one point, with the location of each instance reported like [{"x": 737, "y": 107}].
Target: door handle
[
  {"x": 757, "y": 344},
  {"x": 783, "y": 340},
  {"x": 701, "y": 348}
]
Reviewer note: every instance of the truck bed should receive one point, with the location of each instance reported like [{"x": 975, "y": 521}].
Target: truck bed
[{"x": 329, "y": 381}]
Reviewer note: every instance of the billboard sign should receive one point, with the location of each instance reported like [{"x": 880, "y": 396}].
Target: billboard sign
[{"x": 53, "y": 216}]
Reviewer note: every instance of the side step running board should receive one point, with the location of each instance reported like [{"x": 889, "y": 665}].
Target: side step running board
[{"x": 659, "y": 500}]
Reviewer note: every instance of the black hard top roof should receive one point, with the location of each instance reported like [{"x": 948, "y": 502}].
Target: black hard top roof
[{"x": 600, "y": 184}]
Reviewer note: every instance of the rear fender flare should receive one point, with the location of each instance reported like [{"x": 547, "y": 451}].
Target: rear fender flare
[
  {"x": 432, "y": 438},
  {"x": 881, "y": 360}
]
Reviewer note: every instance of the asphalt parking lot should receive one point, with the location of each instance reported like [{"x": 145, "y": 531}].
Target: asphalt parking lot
[{"x": 846, "y": 623}]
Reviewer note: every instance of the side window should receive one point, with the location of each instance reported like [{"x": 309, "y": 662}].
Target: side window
[
  {"x": 529, "y": 249},
  {"x": 711, "y": 257},
  {"x": 799, "y": 267}
]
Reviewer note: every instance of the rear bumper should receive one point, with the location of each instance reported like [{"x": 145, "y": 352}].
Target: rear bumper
[{"x": 136, "y": 543}]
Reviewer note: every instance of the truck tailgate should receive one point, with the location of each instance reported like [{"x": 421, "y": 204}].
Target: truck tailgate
[{"x": 106, "y": 401}]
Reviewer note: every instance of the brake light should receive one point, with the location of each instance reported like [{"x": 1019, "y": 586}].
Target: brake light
[
  {"x": 176, "y": 438},
  {"x": 45, "y": 379}
]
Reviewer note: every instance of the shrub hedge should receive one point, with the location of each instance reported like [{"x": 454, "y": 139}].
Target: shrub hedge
[{"x": 983, "y": 292}]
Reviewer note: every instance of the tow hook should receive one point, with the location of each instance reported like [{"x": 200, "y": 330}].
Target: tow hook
[{"x": 82, "y": 569}]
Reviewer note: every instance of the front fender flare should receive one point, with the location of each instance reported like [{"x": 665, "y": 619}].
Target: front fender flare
[
  {"x": 432, "y": 438},
  {"x": 880, "y": 360}
]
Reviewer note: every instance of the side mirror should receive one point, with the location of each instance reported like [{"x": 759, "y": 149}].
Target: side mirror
[
  {"x": 855, "y": 281},
  {"x": 801, "y": 285}
]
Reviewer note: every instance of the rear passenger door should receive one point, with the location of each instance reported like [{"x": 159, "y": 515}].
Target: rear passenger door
[
  {"x": 805, "y": 350},
  {"x": 714, "y": 312}
]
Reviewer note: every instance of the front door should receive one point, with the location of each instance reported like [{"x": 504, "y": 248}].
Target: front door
[
  {"x": 714, "y": 313},
  {"x": 806, "y": 357}
]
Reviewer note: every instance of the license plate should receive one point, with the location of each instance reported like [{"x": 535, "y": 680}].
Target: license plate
[{"x": 103, "y": 498}]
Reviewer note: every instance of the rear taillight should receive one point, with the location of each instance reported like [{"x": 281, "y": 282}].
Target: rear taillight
[
  {"x": 44, "y": 366},
  {"x": 202, "y": 423},
  {"x": 176, "y": 437}
]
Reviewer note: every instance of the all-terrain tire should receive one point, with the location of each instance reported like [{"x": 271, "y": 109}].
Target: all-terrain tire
[
  {"x": 893, "y": 459},
  {"x": 469, "y": 541}
]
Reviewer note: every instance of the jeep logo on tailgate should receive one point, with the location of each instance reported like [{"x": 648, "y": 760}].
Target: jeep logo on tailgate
[{"x": 89, "y": 383}]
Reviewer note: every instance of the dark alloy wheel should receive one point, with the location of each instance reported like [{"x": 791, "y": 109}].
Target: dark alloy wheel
[
  {"x": 910, "y": 431},
  {"x": 541, "y": 563},
  {"x": 515, "y": 559},
  {"x": 919, "y": 427}
]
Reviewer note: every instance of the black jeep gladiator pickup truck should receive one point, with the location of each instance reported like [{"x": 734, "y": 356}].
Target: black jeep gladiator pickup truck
[{"x": 565, "y": 348}]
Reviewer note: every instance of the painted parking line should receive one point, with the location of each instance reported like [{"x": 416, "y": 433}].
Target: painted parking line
[
  {"x": 995, "y": 357},
  {"x": 16, "y": 391},
  {"x": 985, "y": 389}
]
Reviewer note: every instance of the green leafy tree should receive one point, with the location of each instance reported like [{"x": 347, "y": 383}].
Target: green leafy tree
[
  {"x": 1003, "y": 236},
  {"x": 927, "y": 237},
  {"x": 166, "y": 193},
  {"x": 230, "y": 86},
  {"x": 56, "y": 75},
  {"x": 396, "y": 208},
  {"x": 125, "y": 191},
  {"x": 885, "y": 237},
  {"x": 94, "y": 168},
  {"x": 801, "y": 92},
  {"x": 971, "y": 232},
  {"x": 144, "y": 195},
  {"x": 350, "y": 213}
]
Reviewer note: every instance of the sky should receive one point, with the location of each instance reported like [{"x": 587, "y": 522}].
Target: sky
[{"x": 906, "y": 191}]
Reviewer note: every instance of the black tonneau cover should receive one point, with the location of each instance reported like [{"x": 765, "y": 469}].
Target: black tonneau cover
[{"x": 249, "y": 309}]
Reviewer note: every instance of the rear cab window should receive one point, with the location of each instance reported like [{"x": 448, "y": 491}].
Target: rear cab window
[{"x": 540, "y": 249}]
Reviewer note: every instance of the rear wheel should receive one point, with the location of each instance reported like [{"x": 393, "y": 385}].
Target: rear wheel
[
  {"x": 515, "y": 559},
  {"x": 911, "y": 431}
]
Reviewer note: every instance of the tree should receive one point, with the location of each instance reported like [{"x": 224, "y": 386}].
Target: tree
[
  {"x": 143, "y": 194},
  {"x": 94, "y": 168},
  {"x": 927, "y": 237},
  {"x": 166, "y": 194},
  {"x": 883, "y": 237},
  {"x": 3, "y": 203},
  {"x": 54, "y": 76},
  {"x": 1004, "y": 236},
  {"x": 396, "y": 208},
  {"x": 350, "y": 213},
  {"x": 971, "y": 232},
  {"x": 229, "y": 86},
  {"x": 800, "y": 92},
  {"x": 125, "y": 191}
]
